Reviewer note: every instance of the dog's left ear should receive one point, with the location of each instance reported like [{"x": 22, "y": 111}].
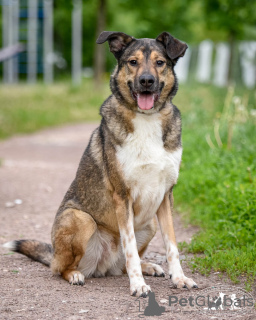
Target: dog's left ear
[
  {"x": 174, "y": 47},
  {"x": 117, "y": 41}
]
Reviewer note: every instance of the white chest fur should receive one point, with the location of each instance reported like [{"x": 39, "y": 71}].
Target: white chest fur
[{"x": 149, "y": 170}]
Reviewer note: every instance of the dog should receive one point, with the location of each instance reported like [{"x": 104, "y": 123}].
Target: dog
[{"x": 126, "y": 175}]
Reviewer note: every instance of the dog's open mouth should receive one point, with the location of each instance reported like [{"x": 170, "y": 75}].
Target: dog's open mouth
[{"x": 145, "y": 100}]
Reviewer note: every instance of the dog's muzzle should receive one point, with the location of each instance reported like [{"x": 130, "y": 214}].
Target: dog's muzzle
[{"x": 146, "y": 95}]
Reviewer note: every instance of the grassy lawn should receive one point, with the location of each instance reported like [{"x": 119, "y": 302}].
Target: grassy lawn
[
  {"x": 217, "y": 184},
  {"x": 24, "y": 109}
]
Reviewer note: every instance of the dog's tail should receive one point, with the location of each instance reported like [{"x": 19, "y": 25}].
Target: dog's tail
[{"x": 36, "y": 250}]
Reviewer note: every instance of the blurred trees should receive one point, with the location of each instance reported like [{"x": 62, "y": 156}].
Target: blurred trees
[
  {"x": 99, "y": 52},
  {"x": 230, "y": 21},
  {"x": 233, "y": 19},
  {"x": 188, "y": 20}
]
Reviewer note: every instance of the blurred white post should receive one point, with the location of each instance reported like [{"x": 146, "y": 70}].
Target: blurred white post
[
  {"x": 10, "y": 70},
  {"x": 16, "y": 17},
  {"x": 77, "y": 42},
  {"x": 5, "y": 43},
  {"x": 8, "y": 38},
  {"x": 248, "y": 51},
  {"x": 32, "y": 41},
  {"x": 221, "y": 65},
  {"x": 48, "y": 41},
  {"x": 182, "y": 67},
  {"x": 204, "y": 63}
]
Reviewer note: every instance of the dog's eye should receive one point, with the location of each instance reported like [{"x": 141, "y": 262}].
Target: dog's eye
[
  {"x": 160, "y": 63},
  {"x": 133, "y": 62}
]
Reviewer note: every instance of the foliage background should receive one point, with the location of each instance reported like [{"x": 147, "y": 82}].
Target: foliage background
[{"x": 189, "y": 20}]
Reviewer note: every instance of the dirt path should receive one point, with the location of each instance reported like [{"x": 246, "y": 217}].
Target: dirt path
[{"x": 38, "y": 169}]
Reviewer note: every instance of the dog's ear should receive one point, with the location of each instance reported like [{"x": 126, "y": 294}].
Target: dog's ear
[
  {"x": 117, "y": 41},
  {"x": 174, "y": 47}
]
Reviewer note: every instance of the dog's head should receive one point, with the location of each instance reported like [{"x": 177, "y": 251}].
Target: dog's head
[{"x": 144, "y": 78}]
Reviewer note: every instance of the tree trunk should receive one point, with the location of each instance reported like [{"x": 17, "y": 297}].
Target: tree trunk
[
  {"x": 99, "y": 53},
  {"x": 231, "y": 59}
]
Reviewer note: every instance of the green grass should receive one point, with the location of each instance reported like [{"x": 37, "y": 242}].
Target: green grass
[
  {"x": 217, "y": 182},
  {"x": 24, "y": 109}
]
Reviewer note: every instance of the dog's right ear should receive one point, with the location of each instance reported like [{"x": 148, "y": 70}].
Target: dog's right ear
[{"x": 117, "y": 41}]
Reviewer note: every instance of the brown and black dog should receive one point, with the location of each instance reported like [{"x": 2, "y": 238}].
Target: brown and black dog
[{"x": 125, "y": 178}]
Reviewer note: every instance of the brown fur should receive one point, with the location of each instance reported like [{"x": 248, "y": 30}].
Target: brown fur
[
  {"x": 71, "y": 231},
  {"x": 164, "y": 216}
]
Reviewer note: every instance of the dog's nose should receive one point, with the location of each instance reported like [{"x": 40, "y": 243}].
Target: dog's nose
[{"x": 146, "y": 80}]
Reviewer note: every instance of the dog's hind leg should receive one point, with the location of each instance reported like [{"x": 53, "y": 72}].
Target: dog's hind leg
[
  {"x": 151, "y": 269},
  {"x": 143, "y": 238},
  {"x": 71, "y": 232}
]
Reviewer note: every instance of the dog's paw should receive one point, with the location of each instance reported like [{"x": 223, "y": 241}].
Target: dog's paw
[
  {"x": 152, "y": 269},
  {"x": 139, "y": 289},
  {"x": 76, "y": 278},
  {"x": 183, "y": 282}
]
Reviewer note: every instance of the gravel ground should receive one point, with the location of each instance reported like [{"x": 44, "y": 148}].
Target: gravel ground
[{"x": 38, "y": 169}]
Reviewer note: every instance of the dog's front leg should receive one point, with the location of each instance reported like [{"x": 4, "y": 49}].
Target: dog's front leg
[
  {"x": 125, "y": 215},
  {"x": 164, "y": 215}
]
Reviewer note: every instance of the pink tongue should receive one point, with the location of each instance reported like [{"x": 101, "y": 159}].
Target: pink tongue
[{"x": 145, "y": 101}]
